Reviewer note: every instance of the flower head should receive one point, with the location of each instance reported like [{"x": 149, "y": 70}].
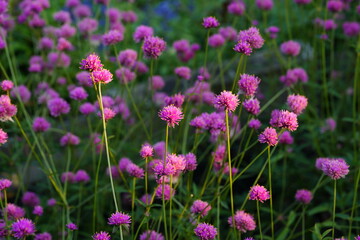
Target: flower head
[
  {"x": 166, "y": 189},
  {"x": 254, "y": 123},
  {"x": 82, "y": 176},
  {"x": 22, "y": 227},
  {"x": 252, "y": 105},
  {"x": 205, "y": 231},
  {"x": 7, "y": 110},
  {"x": 58, "y": 106},
  {"x": 248, "y": 84},
  {"x": 171, "y": 114},
  {"x": 101, "y": 236},
  {"x": 200, "y": 207},
  {"x": 4, "y": 184},
  {"x": 69, "y": 139},
  {"x": 303, "y": 196},
  {"x": 6, "y": 85},
  {"x": 335, "y": 168},
  {"x": 146, "y": 151},
  {"x": 226, "y": 100},
  {"x": 297, "y": 103},
  {"x": 40, "y": 124},
  {"x": 284, "y": 119},
  {"x": 102, "y": 76},
  {"x": 38, "y": 210},
  {"x": 269, "y": 136},
  {"x": 91, "y": 63},
  {"x": 251, "y": 36},
  {"x": 142, "y": 32},
  {"x": 243, "y": 221},
  {"x": 151, "y": 235},
  {"x": 259, "y": 193},
  {"x": 43, "y": 236},
  {"x": 112, "y": 37},
  {"x": 30, "y": 199},
  {"x": 153, "y": 46},
  {"x": 210, "y": 22},
  {"x": 72, "y": 226},
  {"x": 291, "y": 48},
  {"x": 265, "y": 4},
  {"x": 119, "y": 219}
]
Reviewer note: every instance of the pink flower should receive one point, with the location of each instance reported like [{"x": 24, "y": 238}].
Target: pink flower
[
  {"x": 3, "y": 137},
  {"x": 210, "y": 22},
  {"x": 248, "y": 84},
  {"x": 200, "y": 207},
  {"x": 252, "y": 105},
  {"x": 269, "y": 136},
  {"x": 119, "y": 219},
  {"x": 284, "y": 119},
  {"x": 167, "y": 190},
  {"x": 243, "y": 221},
  {"x": 297, "y": 103},
  {"x": 259, "y": 193},
  {"x": 205, "y": 231},
  {"x": 303, "y": 196},
  {"x": 91, "y": 63},
  {"x": 291, "y": 48},
  {"x": 146, "y": 151},
  {"x": 226, "y": 100},
  {"x": 153, "y": 47},
  {"x": 102, "y": 76},
  {"x": 171, "y": 114}
]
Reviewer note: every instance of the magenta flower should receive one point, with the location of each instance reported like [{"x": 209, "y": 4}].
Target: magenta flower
[
  {"x": 72, "y": 226},
  {"x": 127, "y": 57},
  {"x": 351, "y": 29},
  {"x": 265, "y": 4},
  {"x": 4, "y": 184},
  {"x": 259, "y": 193},
  {"x": 81, "y": 176},
  {"x": 7, "y": 110},
  {"x": 303, "y": 196},
  {"x": 43, "y": 236},
  {"x": 205, "y": 231},
  {"x": 69, "y": 139},
  {"x": 38, "y": 210},
  {"x": 248, "y": 84},
  {"x": 273, "y": 31},
  {"x": 102, "y": 76},
  {"x": 254, "y": 123},
  {"x": 112, "y": 37},
  {"x": 335, "y": 168},
  {"x": 151, "y": 235},
  {"x": 177, "y": 100},
  {"x": 153, "y": 47},
  {"x": 58, "y": 106},
  {"x": 200, "y": 207},
  {"x": 146, "y": 151},
  {"x": 125, "y": 75},
  {"x": 297, "y": 103},
  {"x": 22, "y": 228},
  {"x": 6, "y": 85},
  {"x": 302, "y": 2},
  {"x": 216, "y": 40},
  {"x": 119, "y": 219},
  {"x": 236, "y": 8},
  {"x": 101, "y": 236},
  {"x": 14, "y": 212},
  {"x": 335, "y": 6},
  {"x": 291, "y": 48},
  {"x": 243, "y": 47},
  {"x": 252, "y": 105},
  {"x": 251, "y": 36},
  {"x": 191, "y": 162},
  {"x": 226, "y": 100},
  {"x": 286, "y": 138},
  {"x": 229, "y": 33},
  {"x": 108, "y": 114},
  {"x": 87, "y": 108},
  {"x": 166, "y": 189},
  {"x": 30, "y": 199},
  {"x": 142, "y": 32},
  {"x": 171, "y": 114},
  {"x": 269, "y": 136},
  {"x": 243, "y": 221},
  {"x": 210, "y": 22},
  {"x": 40, "y": 124},
  {"x": 134, "y": 170},
  {"x": 3, "y": 137},
  {"x": 284, "y": 119},
  {"x": 91, "y": 63},
  {"x": 183, "y": 72}
]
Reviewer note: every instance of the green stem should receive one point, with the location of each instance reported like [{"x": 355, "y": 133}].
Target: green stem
[
  {"x": 259, "y": 221},
  {"x": 271, "y": 195},
  {"x": 133, "y": 207},
  {"x": 303, "y": 222},
  {"x": 333, "y": 215},
  {"x": 237, "y": 72}
]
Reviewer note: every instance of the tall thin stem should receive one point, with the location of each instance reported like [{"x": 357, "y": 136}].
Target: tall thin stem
[
  {"x": 259, "y": 221},
  {"x": 303, "y": 222},
  {"x": 333, "y": 215},
  {"x": 230, "y": 168},
  {"x": 271, "y": 195}
]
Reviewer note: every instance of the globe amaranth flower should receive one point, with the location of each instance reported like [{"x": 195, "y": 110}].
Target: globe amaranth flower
[
  {"x": 69, "y": 139},
  {"x": 191, "y": 162},
  {"x": 3, "y": 137},
  {"x": 254, "y": 124},
  {"x": 210, "y": 22},
  {"x": 269, "y": 136},
  {"x": 302, "y": 2},
  {"x": 72, "y": 226},
  {"x": 6, "y": 85},
  {"x": 14, "y": 212},
  {"x": 200, "y": 207},
  {"x": 38, "y": 210},
  {"x": 252, "y": 106},
  {"x": 248, "y": 84},
  {"x": 141, "y": 32},
  {"x": 284, "y": 119},
  {"x": 171, "y": 114},
  {"x": 286, "y": 138},
  {"x": 127, "y": 57},
  {"x": 335, "y": 168},
  {"x": 7, "y": 110},
  {"x": 291, "y": 48},
  {"x": 43, "y": 236},
  {"x": 151, "y": 235},
  {"x": 335, "y": 6},
  {"x": 216, "y": 40},
  {"x": 119, "y": 219},
  {"x": 4, "y": 184},
  {"x": 108, "y": 114},
  {"x": 303, "y": 196},
  {"x": 112, "y": 37},
  {"x": 101, "y": 236},
  {"x": 134, "y": 170},
  {"x": 81, "y": 176},
  {"x": 78, "y": 93},
  {"x": 229, "y": 33},
  {"x": 87, "y": 108},
  {"x": 146, "y": 151},
  {"x": 259, "y": 193},
  {"x": 168, "y": 191},
  {"x": 22, "y": 227},
  {"x": 177, "y": 100},
  {"x": 249, "y": 39},
  {"x": 226, "y": 100},
  {"x": 236, "y": 8},
  {"x": 183, "y": 72},
  {"x": 265, "y": 4},
  {"x": 125, "y": 75},
  {"x": 297, "y": 103},
  {"x": 205, "y": 231},
  {"x": 243, "y": 221},
  {"x": 351, "y": 29},
  {"x": 30, "y": 199},
  {"x": 40, "y": 124},
  {"x": 102, "y": 76},
  {"x": 58, "y": 106},
  {"x": 153, "y": 47},
  {"x": 91, "y": 63}
]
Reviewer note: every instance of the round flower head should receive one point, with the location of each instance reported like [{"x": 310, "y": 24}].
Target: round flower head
[
  {"x": 91, "y": 63},
  {"x": 210, "y": 22},
  {"x": 82, "y": 176},
  {"x": 112, "y": 37},
  {"x": 335, "y": 168},
  {"x": 226, "y": 100},
  {"x": 7, "y": 109},
  {"x": 151, "y": 235},
  {"x": 351, "y": 29},
  {"x": 302, "y": 2},
  {"x": 216, "y": 40},
  {"x": 43, "y": 236},
  {"x": 134, "y": 170},
  {"x": 286, "y": 138},
  {"x": 78, "y": 93},
  {"x": 51, "y": 202},
  {"x": 87, "y": 108},
  {"x": 30, "y": 199},
  {"x": 69, "y": 139},
  {"x": 191, "y": 162},
  {"x": 38, "y": 210},
  {"x": 108, "y": 114},
  {"x": 265, "y": 4},
  {"x": 127, "y": 57},
  {"x": 205, "y": 231},
  {"x": 142, "y": 32},
  {"x": 243, "y": 221},
  {"x": 146, "y": 151},
  {"x": 153, "y": 46},
  {"x": 22, "y": 228},
  {"x": 248, "y": 84},
  {"x": 236, "y": 8},
  {"x": 58, "y": 106},
  {"x": 335, "y": 5},
  {"x": 40, "y": 124},
  {"x": 4, "y": 184},
  {"x": 200, "y": 207},
  {"x": 259, "y": 193},
  {"x": 3, "y": 137},
  {"x": 291, "y": 48},
  {"x": 72, "y": 226},
  {"x": 252, "y": 105},
  {"x": 229, "y": 33},
  {"x": 254, "y": 124},
  {"x": 102, "y": 76},
  {"x": 273, "y": 31},
  {"x": 171, "y": 114},
  {"x": 297, "y": 103},
  {"x": 119, "y": 219},
  {"x": 284, "y": 119},
  {"x": 269, "y": 136},
  {"x": 251, "y": 36},
  {"x": 243, "y": 47},
  {"x": 125, "y": 75},
  {"x": 101, "y": 236},
  {"x": 167, "y": 189},
  {"x": 183, "y": 72},
  {"x": 6, "y": 85},
  {"x": 68, "y": 177},
  {"x": 303, "y": 196}
]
